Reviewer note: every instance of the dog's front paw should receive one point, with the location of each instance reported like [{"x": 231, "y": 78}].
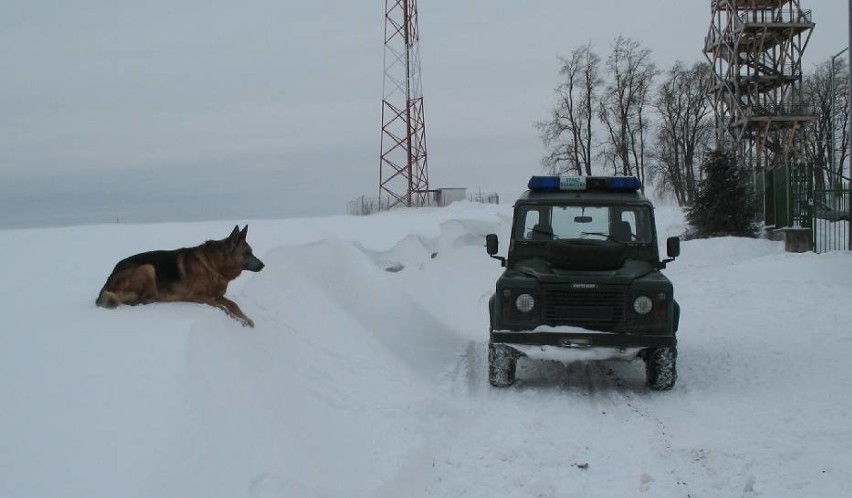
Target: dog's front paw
[{"x": 247, "y": 322}]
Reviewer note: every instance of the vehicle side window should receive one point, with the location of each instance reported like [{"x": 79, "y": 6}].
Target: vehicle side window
[
  {"x": 531, "y": 220},
  {"x": 629, "y": 217},
  {"x": 645, "y": 232},
  {"x": 639, "y": 221}
]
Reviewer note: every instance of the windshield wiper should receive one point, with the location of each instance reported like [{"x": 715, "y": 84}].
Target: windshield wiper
[{"x": 604, "y": 235}]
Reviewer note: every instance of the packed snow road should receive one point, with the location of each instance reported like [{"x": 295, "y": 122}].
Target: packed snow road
[
  {"x": 585, "y": 429},
  {"x": 365, "y": 375}
]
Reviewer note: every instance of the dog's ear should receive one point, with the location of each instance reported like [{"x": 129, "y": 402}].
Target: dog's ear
[
  {"x": 234, "y": 233},
  {"x": 243, "y": 233}
]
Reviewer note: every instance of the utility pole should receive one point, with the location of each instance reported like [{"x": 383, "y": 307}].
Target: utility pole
[{"x": 833, "y": 119}]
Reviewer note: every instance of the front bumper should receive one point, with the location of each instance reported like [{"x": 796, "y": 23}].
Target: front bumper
[{"x": 580, "y": 340}]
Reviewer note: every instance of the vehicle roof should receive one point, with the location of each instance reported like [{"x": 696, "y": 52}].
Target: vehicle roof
[{"x": 567, "y": 196}]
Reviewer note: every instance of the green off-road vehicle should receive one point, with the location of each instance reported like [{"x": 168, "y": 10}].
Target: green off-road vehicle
[{"x": 583, "y": 281}]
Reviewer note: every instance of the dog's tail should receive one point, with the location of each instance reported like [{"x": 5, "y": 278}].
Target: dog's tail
[{"x": 107, "y": 299}]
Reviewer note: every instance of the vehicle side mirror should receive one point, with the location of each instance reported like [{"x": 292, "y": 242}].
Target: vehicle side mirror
[
  {"x": 673, "y": 247},
  {"x": 492, "y": 246}
]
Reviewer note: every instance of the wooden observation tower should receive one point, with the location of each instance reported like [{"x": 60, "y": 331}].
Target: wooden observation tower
[{"x": 755, "y": 48}]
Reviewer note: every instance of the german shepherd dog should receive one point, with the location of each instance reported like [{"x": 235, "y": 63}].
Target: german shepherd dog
[{"x": 197, "y": 274}]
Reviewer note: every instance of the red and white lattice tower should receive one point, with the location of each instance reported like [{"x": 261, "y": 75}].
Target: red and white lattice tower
[{"x": 403, "y": 174}]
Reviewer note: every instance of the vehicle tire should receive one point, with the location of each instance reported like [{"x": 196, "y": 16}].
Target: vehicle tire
[
  {"x": 661, "y": 368},
  {"x": 501, "y": 365},
  {"x": 590, "y": 255}
]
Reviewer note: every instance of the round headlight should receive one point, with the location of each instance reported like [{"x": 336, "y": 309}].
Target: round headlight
[
  {"x": 643, "y": 305},
  {"x": 525, "y": 303}
]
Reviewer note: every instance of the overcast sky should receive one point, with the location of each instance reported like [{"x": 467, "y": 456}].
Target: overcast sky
[{"x": 105, "y": 101}]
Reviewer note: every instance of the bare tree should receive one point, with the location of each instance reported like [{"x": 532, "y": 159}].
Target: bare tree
[
  {"x": 685, "y": 129},
  {"x": 817, "y": 89},
  {"x": 623, "y": 106},
  {"x": 568, "y": 133}
]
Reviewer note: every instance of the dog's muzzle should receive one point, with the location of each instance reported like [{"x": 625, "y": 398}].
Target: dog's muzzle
[{"x": 251, "y": 263}]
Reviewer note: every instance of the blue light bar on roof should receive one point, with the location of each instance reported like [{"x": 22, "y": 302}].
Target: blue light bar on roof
[
  {"x": 544, "y": 183},
  {"x": 584, "y": 183},
  {"x": 624, "y": 183}
]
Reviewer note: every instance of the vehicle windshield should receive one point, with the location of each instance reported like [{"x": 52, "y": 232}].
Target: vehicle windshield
[{"x": 619, "y": 223}]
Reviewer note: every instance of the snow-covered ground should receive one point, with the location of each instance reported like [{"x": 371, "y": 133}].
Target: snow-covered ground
[{"x": 363, "y": 382}]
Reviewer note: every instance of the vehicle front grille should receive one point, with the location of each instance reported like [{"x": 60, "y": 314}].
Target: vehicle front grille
[{"x": 594, "y": 307}]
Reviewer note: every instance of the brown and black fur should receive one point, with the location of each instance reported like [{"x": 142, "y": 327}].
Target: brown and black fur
[{"x": 197, "y": 274}]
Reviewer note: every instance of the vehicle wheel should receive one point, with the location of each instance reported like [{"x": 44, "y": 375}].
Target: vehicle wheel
[
  {"x": 660, "y": 368},
  {"x": 501, "y": 365}
]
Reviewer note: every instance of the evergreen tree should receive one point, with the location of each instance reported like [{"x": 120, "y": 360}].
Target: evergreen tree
[{"x": 725, "y": 203}]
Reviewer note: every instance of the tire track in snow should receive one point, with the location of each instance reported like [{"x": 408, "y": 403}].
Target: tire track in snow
[
  {"x": 616, "y": 389},
  {"x": 551, "y": 434}
]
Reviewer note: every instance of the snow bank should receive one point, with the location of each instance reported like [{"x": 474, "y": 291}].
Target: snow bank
[{"x": 365, "y": 374}]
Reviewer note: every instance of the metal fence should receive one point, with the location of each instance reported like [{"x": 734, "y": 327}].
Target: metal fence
[
  {"x": 801, "y": 185},
  {"x": 365, "y": 205},
  {"x": 831, "y": 208},
  {"x": 484, "y": 197},
  {"x": 784, "y": 196},
  {"x": 787, "y": 198}
]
